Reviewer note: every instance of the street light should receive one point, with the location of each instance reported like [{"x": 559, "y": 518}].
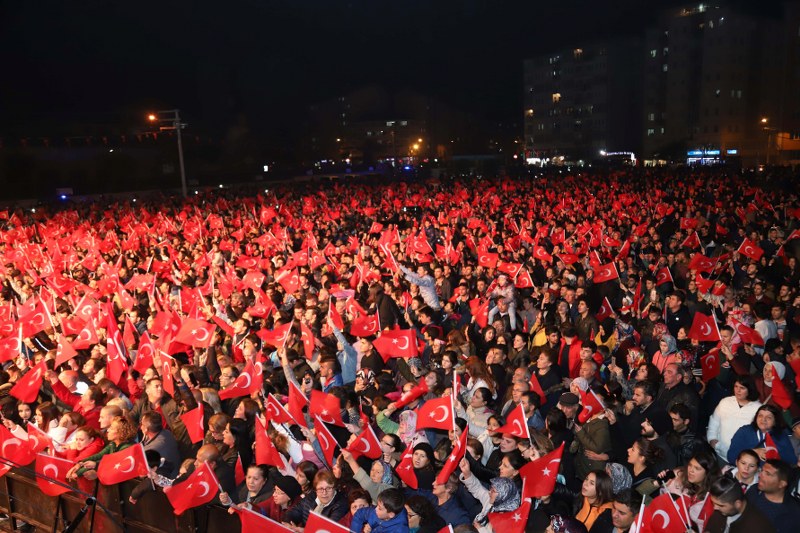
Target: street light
[{"x": 173, "y": 117}]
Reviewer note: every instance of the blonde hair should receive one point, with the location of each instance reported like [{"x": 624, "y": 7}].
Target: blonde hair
[{"x": 211, "y": 397}]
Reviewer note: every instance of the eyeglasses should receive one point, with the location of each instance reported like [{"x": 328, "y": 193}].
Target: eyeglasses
[{"x": 324, "y": 489}]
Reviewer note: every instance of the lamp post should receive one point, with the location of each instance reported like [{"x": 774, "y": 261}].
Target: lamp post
[{"x": 173, "y": 117}]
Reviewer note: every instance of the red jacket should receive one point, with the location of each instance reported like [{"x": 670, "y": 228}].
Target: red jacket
[
  {"x": 92, "y": 416},
  {"x": 92, "y": 448}
]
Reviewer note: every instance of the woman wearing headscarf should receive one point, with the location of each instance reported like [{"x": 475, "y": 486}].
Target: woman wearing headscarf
[
  {"x": 503, "y": 496},
  {"x": 424, "y": 463},
  {"x": 378, "y": 479},
  {"x": 667, "y": 353}
]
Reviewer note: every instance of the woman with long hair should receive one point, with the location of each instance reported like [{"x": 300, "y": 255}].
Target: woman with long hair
[
  {"x": 121, "y": 434},
  {"x": 594, "y": 505},
  {"x": 642, "y": 456},
  {"x": 479, "y": 376},
  {"x": 694, "y": 481}
]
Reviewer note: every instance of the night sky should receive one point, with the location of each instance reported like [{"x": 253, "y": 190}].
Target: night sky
[{"x": 70, "y": 65}]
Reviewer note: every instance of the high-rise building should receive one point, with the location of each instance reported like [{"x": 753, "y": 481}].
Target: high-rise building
[
  {"x": 711, "y": 83},
  {"x": 583, "y": 100}
]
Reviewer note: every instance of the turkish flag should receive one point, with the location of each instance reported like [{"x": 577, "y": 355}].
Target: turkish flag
[
  {"x": 129, "y": 333},
  {"x": 540, "y": 253},
  {"x": 64, "y": 351},
  {"x": 537, "y": 388},
  {"x": 397, "y": 343},
  {"x": 366, "y": 444},
  {"x": 365, "y": 326},
  {"x": 317, "y": 522},
  {"x": 488, "y": 260},
  {"x": 568, "y": 259},
  {"x": 405, "y": 469},
  {"x": 297, "y": 401},
  {"x": 702, "y": 263},
  {"x": 703, "y": 285},
  {"x": 277, "y": 336},
  {"x": 117, "y": 364},
  {"x": 34, "y": 321},
  {"x": 238, "y": 471},
  {"x": 691, "y": 241},
  {"x": 605, "y": 272},
  {"x": 769, "y": 446},
  {"x": 254, "y": 279},
  {"x": 750, "y": 249},
  {"x": 539, "y": 476},
  {"x": 436, "y": 413},
  {"x": 122, "y": 465},
  {"x": 523, "y": 279},
  {"x": 326, "y": 440},
  {"x": 704, "y": 328},
  {"x": 242, "y": 385},
  {"x": 509, "y": 268},
  {"x": 780, "y": 394},
  {"x": 353, "y": 308},
  {"x": 326, "y": 407},
  {"x": 511, "y": 521},
  {"x": 275, "y": 412},
  {"x": 710, "y": 365},
  {"x": 516, "y": 424},
  {"x": 307, "y": 338},
  {"x": 54, "y": 468},
  {"x": 453, "y": 459},
  {"x": 198, "y": 489},
  {"x": 591, "y": 406},
  {"x": 334, "y": 315},
  {"x": 195, "y": 426},
  {"x": 480, "y": 310},
  {"x": 29, "y": 385},
  {"x": 605, "y": 310},
  {"x": 196, "y": 333},
  {"x": 418, "y": 390},
  {"x": 10, "y": 347},
  {"x": 266, "y": 452},
  {"x": 144, "y": 354},
  {"x": 664, "y": 276},
  {"x": 662, "y": 515},
  {"x": 87, "y": 337},
  {"x": 289, "y": 280},
  {"x": 166, "y": 374},
  {"x": 747, "y": 335},
  {"x": 14, "y": 450},
  {"x": 38, "y": 440},
  {"x": 252, "y": 521}
]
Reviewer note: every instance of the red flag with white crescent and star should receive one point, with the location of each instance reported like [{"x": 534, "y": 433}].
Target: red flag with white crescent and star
[
  {"x": 539, "y": 476},
  {"x": 122, "y": 465},
  {"x": 453, "y": 459},
  {"x": 516, "y": 424},
  {"x": 511, "y": 521},
  {"x": 198, "y": 489},
  {"x": 366, "y": 444},
  {"x": 53, "y": 468},
  {"x": 436, "y": 413},
  {"x": 704, "y": 328}
]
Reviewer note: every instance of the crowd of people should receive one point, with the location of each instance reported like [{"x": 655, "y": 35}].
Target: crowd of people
[{"x": 639, "y": 330}]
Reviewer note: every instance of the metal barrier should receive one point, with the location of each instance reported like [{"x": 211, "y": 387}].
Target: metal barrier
[{"x": 22, "y": 501}]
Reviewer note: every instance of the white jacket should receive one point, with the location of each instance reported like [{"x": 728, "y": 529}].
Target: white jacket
[{"x": 727, "y": 418}]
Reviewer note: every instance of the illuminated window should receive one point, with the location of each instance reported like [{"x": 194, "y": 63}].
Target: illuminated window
[
  {"x": 578, "y": 53},
  {"x": 664, "y": 67},
  {"x": 651, "y": 117},
  {"x": 653, "y": 52},
  {"x": 529, "y": 112},
  {"x": 651, "y": 131},
  {"x": 556, "y": 97}
]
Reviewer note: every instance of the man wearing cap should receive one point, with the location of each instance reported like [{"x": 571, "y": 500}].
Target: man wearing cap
[
  {"x": 794, "y": 438},
  {"x": 568, "y": 403}
]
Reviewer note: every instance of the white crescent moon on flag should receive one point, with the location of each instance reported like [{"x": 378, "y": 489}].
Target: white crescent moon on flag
[
  {"x": 606, "y": 272},
  {"x": 130, "y": 469},
  {"x": 321, "y": 436},
  {"x": 206, "y": 487},
  {"x": 768, "y": 448},
  {"x": 403, "y": 347},
  {"x": 705, "y": 329},
  {"x": 48, "y": 468},
  {"x": 662, "y": 275},
  {"x": 16, "y": 442},
  {"x": 663, "y": 513},
  {"x": 35, "y": 439},
  {"x": 249, "y": 380},
  {"x": 748, "y": 249},
  {"x": 204, "y": 336},
  {"x": 367, "y": 445},
  {"x": 518, "y": 427},
  {"x": 444, "y": 416},
  {"x": 38, "y": 318}
]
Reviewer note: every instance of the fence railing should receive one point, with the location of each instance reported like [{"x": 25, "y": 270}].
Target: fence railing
[{"x": 23, "y": 501}]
